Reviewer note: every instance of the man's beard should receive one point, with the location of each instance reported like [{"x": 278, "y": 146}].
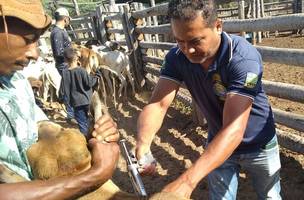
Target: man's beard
[{"x": 198, "y": 59}]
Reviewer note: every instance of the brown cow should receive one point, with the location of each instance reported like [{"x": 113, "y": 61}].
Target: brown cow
[{"x": 64, "y": 152}]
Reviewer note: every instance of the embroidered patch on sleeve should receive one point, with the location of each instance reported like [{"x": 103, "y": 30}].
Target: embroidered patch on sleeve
[{"x": 251, "y": 80}]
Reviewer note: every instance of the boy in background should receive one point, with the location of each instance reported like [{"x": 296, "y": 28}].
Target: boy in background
[{"x": 76, "y": 86}]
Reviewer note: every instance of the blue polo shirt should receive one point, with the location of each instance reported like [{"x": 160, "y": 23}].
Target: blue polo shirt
[{"x": 237, "y": 69}]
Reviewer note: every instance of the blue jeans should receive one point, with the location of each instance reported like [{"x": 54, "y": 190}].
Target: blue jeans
[
  {"x": 82, "y": 118},
  {"x": 264, "y": 169},
  {"x": 69, "y": 108}
]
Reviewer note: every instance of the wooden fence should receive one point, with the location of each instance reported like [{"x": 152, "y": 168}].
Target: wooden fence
[
  {"x": 144, "y": 64},
  {"x": 270, "y": 9}
]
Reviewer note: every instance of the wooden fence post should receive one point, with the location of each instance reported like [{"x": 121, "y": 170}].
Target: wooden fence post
[
  {"x": 241, "y": 11},
  {"x": 258, "y": 15},
  {"x": 135, "y": 54},
  {"x": 101, "y": 30},
  {"x": 146, "y": 36},
  {"x": 155, "y": 23},
  {"x": 253, "y": 15}
]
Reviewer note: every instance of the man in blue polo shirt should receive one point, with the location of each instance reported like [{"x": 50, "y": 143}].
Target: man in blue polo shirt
[{"x": 223, "y": 74}]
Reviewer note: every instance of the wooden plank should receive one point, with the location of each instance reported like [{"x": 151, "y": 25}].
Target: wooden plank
[
  {"x": 113, "y": 17},
  {"x": 284, "y": 90},
  {"x": 80, "y": 20},
  {"x": 290, "y": 141},
  {"x": 281, "y": 23},
  {"x": 152, "y": 70},
  {"x": 269, "y": 54},
  {"x": 124, "y": 23},
  {"x": 135, "y": 54},
  {"x": 159, "y": 45},
  {"x": 227, "y": 9},
  {"x": 160, "y": 9},
  {"x": 160, "y": 29},
  {"x": 115, "y": 30},
  {"x": 82, "y": 39},
  {"x": 279, "y": 9},
  {"x": 153, "y": 59},
  {"x": 282, "y": 55},
  {"x": 278, "y": 3},
  {"x": 84, "y": 30},
  {"x": 291, "y": 120},
  {"x": 101, "y": 29}
]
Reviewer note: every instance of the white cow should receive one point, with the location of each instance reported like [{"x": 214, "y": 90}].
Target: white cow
[
  {"x": 46, "y": 72},
  {"x": 118, "y": 63}
]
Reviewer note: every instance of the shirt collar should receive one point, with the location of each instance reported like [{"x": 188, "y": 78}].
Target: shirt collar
[
  {"x": 224, "y": 54},
  {"x": 8, "y": 80}
]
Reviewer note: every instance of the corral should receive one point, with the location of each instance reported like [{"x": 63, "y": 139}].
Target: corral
[{"x": 179, "y": 142}]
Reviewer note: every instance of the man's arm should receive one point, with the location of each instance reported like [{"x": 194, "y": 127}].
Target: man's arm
[
  {"x": 236, "y": 113},
  {"x": 58, "y": 45},
  {"x": 104, "y": 158},
  {"x": 152, "y": 115}
]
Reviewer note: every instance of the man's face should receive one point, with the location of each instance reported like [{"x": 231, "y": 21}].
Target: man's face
[
  {"x": 196, "y": 40},
  {"x": 17, "y": 46},
  {"x": 67, "y": 21}
]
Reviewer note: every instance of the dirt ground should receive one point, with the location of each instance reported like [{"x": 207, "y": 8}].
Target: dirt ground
[{"x": 179, "y": 142}]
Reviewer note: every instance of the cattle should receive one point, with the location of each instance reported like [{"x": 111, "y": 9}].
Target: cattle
[
  {"x": 45, "y": 71},
  {"x": 63, "y": 152},
  {"x": 114, "y": 61},
  {"x": 119, "y": 64}
]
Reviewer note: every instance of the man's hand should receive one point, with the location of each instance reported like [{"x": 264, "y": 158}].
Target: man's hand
[
  {"x": 105, "y": 129},
  {"x": 147, "y": 166},
  {"x": 179, "y": 187},
  {"x": 104, "y": 157}
]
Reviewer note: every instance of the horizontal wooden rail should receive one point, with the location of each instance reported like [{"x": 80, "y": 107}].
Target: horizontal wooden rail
[
  {"x": 288, "y": 8},
  {"x": 281, "y": 23},
  {"x": 278, "y": 3},
  {"x": 117, "y": 16},
  {"x": 157, "y": 45},
  {"x": 81, "y": 21},
  {"x": 269, "y": 54},
  {"x": 289, "y": 119},
  {"x": 277, "y": 23},
  {"x": 83, "y": 39},
  {"x": 282, "y": 55},
  {"x": 160, "y": 29},
  {"x": 161, "y": 9},
  {"x": 284, "y": 90},
  {"x": 291, "y": 141},
  {"x": 152, "y": 70},
  {"x": 228, "y": 9},
  {"x": 84, "y": 30},
  {"x": 155, "y": 60},
  {"x": 115, "y": 30}
]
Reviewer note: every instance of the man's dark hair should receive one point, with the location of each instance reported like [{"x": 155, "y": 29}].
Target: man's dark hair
[
  {"x": 70, "y": 54},
  {"x": 187, "y": 10},
  {"x": 58, "y": 17}
]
